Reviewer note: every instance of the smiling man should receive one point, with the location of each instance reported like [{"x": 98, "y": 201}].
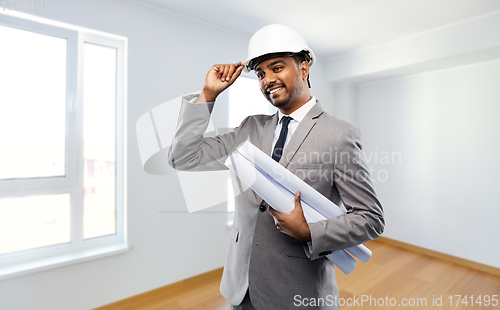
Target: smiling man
[
  {"x": 281, "y": 82},
  {"x": 277, "y": 260}
]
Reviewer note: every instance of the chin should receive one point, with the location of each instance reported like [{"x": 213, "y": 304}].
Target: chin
[{"x": 280, "y": 104}]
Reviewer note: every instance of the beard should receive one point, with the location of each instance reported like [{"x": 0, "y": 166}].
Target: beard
[{"x": 287, "y": 98}]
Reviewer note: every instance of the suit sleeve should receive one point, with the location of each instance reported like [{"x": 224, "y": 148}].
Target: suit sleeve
[
  {"x": 192, "y": 151},
  {"x": 364, "y": 220}
]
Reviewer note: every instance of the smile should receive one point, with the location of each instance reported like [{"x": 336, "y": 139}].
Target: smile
[{"x": 275, "y": 90}]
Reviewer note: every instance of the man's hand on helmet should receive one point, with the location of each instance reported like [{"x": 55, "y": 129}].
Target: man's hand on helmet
[{"x": 218, "y": 78}]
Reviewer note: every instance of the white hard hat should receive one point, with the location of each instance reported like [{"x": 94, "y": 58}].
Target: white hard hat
[{"x": 276, "y": 41}]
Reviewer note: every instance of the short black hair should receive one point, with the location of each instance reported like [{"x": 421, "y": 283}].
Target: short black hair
[
  {"x": 299, "y": 58},
  {"x": 256, "y": 61}
]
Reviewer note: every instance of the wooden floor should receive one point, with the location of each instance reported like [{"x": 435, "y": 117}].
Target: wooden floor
[{"x": 404, "y": 277}]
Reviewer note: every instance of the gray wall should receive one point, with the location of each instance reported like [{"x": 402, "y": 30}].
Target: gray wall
[
  {"x": 428, "y": 108},
  {"x": 439, "y": 183}
]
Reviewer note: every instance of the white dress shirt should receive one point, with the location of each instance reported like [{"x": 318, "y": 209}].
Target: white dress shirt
[{"x": 297, "y": 116}]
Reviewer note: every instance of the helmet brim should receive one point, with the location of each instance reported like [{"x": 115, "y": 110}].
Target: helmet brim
[{"x": 250, "y": 64}]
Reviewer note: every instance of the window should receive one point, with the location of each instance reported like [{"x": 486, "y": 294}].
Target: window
[
  {"x": 62, "y": 144},
  {"x": 245, "y": 98}
]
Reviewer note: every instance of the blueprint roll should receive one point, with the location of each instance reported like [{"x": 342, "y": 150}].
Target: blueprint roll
[
  {"x": 293, "y": 184},
  {"x": 281, "y": 200}
]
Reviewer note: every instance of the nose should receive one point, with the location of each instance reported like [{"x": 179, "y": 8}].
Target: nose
[{"x": 269, "y": 78}]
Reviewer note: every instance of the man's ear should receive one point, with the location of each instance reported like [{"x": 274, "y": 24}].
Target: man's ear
[{"x": 304, "y": 69}]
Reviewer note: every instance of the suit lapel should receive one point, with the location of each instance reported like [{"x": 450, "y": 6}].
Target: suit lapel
[
  {"x": 300, "y": 134},
  {"x": 268, "y": 133}
]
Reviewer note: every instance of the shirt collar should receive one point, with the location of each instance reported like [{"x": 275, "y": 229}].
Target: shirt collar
[{"x": 299, "y": 114}]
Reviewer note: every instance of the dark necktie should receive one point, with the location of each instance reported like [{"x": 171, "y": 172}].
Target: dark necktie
[{"x": 278, "y": 148}]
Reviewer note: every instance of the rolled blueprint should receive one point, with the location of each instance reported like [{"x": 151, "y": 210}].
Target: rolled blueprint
[
  {"x": 319, "y": 203},
  {"x": 281, "y": 200}
]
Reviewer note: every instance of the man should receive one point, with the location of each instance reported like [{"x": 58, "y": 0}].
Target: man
[{"x": 276, "y": 260}]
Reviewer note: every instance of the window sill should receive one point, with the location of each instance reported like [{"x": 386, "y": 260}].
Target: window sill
[{"x": 15, "y": 270}]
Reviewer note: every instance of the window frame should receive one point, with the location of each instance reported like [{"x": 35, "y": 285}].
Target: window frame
[{"x": 78, "y": 249}]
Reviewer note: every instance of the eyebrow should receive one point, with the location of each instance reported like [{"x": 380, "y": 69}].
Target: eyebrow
[{"x": 271, "y": 64}]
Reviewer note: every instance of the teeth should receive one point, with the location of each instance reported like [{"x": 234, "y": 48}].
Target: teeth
[{"x": 274, "y": 90}]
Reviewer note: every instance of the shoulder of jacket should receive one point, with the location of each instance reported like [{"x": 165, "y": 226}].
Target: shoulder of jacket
[
  {"x": 257, "y": 119},
  {"x": 338, "y": 124}
]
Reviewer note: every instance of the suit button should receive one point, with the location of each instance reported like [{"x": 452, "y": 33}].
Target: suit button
[
  {"x": 325, "y": 253},
  {"x": 262, "y": 208}
]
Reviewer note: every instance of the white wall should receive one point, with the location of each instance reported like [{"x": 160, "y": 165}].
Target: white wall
[
  {"x": 168, "y": 56},
  {"x": 433, "y": 134},
  {"x": 442, "y": 191},
  {"x": 470, "y": 41},
  {"x": 321, "y": 89}
]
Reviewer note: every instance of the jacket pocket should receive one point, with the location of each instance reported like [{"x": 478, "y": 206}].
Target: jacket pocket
[
  {"x": 295, "y": 249},
  {"x": 308, "y": 166}
]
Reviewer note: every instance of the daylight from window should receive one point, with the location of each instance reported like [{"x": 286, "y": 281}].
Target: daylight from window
[
  {"x": 32, "y": 105},
  {"x": 35, "y": 134},
  {"x": 99, "y": 105}
]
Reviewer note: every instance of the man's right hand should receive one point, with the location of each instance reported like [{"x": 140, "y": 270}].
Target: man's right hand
[{"x": 219, "y": 78}]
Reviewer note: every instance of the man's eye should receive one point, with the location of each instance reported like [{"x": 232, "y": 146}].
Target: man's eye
[
  {"x": 277, "y": 68},
  {"x": 260, "y": 75}
]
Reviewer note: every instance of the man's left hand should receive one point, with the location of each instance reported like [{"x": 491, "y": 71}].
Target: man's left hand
[{"x": 292, "y": 223}]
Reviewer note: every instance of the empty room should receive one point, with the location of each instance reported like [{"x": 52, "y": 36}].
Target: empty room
[{"x": 230, "y": 154}]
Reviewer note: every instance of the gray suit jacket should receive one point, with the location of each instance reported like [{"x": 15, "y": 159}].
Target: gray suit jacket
[{"x": 280, "y": 271}]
